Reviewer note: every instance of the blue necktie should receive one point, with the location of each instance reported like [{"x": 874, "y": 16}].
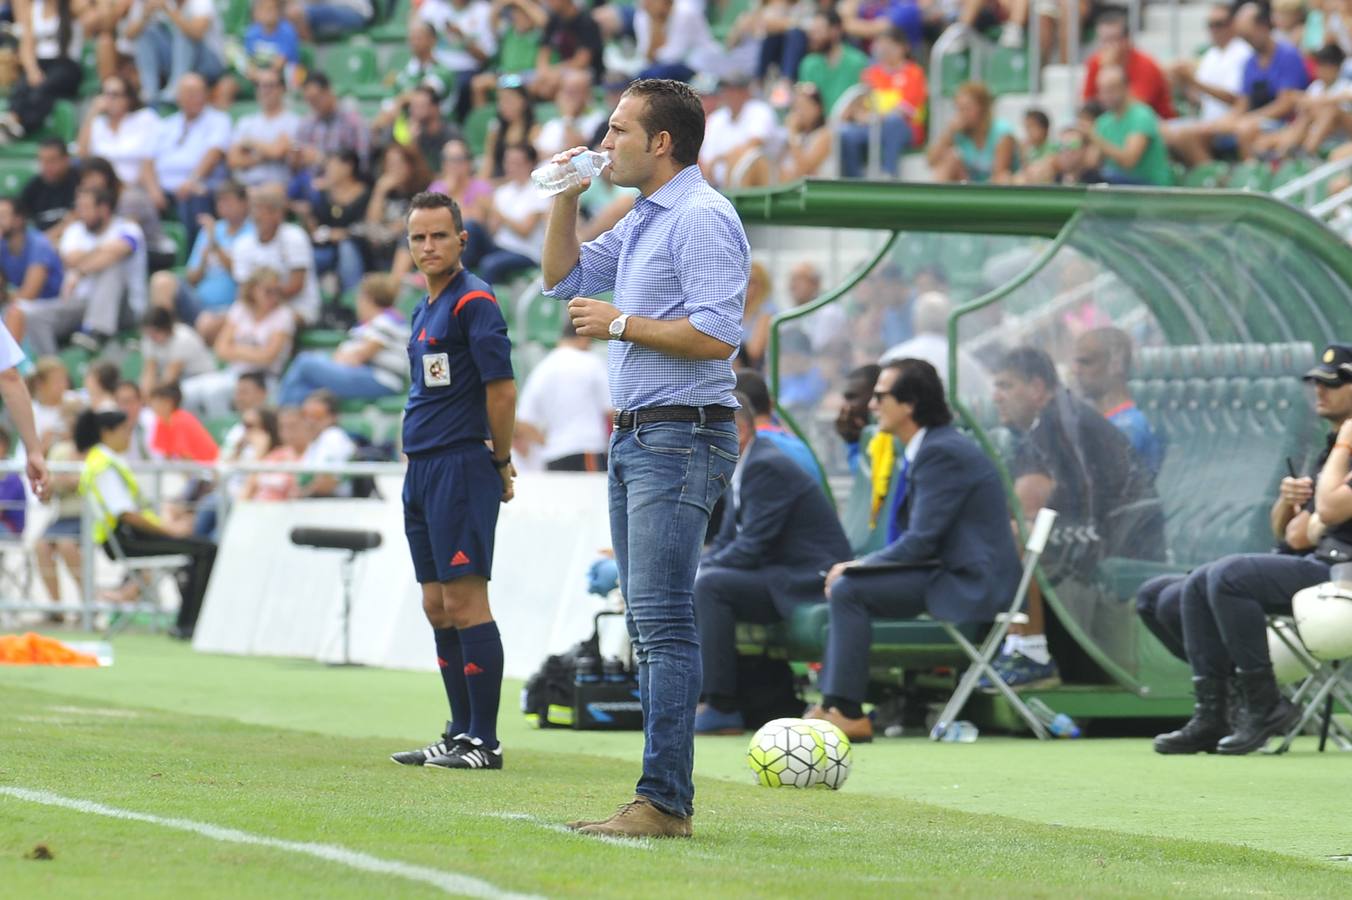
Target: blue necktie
[{"x": 894, "y": 529}]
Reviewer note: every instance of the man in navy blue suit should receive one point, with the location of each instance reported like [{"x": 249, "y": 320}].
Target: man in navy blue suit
[
  {"x": 779, "y": 533},
  {"x": 949, "y": 551}
]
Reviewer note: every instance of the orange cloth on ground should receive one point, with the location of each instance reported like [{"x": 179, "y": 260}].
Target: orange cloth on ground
[
  {"x": 35, "y": 650},
  {"x": 183, "y": 437}
]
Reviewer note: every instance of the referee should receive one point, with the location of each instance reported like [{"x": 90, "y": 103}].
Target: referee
[
  {"x": 462, "y": 394},
  {"x": 678, "y": 263}
]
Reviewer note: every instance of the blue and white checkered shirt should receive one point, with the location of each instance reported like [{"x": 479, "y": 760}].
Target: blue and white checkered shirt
[{"x": 681, "y": 253}]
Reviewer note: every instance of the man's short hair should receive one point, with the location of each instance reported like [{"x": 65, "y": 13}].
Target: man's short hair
[
  {"x": 1029, "y": 363},
  {"x": 170, "y": 392},
  {"x": 158, "y": 318},
  {"x": 673, "y": 107},
  {"x": 99, "y": 196},
  {"x": 436, "y": 200},
  {"x": 131, "y": 386},
  {"x": 757, "y": 392},
  {"x": 16, "y": 205},
  {"x": 328, "y": 398},
  {"x": 432, "y": 93},
  {"x": 832, "y": 17},
  {"x": 746, "y": 413},
  {"x": 1117, "y": 344},
  {"x": 1330, "y": 55},
  {"x": 232, "y": 188},
  {"x": 54, "y": 143},
  {"x": 866, "y": 373},
  {"x": 106, "y": 374},
  {"x": 381, "y": 287},
  {"x": 258, "y": 379},
  {"x": 1114, "y": 18},
  {"x": 1040, "y": 118},
  {"x": 318, "y": 79},
  {"x": 918, "y": 383}
]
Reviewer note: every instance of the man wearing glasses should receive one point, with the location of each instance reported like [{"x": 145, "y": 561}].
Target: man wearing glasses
[{"x": 263, "y": 139}]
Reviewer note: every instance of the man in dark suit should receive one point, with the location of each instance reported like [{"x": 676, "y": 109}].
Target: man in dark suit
[
  {"x": 949, "y": 550},
  {"x": 779, "y": 534}
]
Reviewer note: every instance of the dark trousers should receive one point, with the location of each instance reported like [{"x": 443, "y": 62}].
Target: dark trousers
[
  {"x": 32, "y": 104},
  {"x": 724, "y": 597},
  {"x": 855, "y": 601},
  {"x": 578, "y": 462},
  {"x": 1226, "y": 605},
  {"x": 192, "y": 578},
  {"x": 1159, "y": 603},
  {"x": 785, "y": 50}
]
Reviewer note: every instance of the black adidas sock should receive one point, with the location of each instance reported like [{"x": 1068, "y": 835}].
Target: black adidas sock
[
  {"x": 452, "y": 664},
  {"x": 482, "y": 649},
  {"x": 848, "y": 708}
]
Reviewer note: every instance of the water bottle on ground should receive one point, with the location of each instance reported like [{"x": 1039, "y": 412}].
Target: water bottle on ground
[
  {"x": 587, "y": 670},
  {"x": 553, "y": 178},
  {"x": 1058, "y": 724},
  {"x": 960, "y": 732}
]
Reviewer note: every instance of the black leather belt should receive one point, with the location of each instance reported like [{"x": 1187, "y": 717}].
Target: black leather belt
[{"x": 625, "y": 419}]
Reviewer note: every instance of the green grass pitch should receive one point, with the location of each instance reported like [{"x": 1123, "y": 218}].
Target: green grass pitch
[{"x": 293, "y": 757}]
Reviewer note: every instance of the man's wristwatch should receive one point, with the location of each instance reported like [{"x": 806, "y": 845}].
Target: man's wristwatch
[
  {"x": 502, "y": 463},
  {"x": 617, "y": 324}
]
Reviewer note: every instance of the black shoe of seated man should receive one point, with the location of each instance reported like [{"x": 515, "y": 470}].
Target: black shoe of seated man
[
  {"x": 179, "y": 633},
  {"x": 1207, "y": 726},
  {"x": 468, "y": 753},
  {"x": 1266, "y": 713},
  {"x": 439, "y": 747}
]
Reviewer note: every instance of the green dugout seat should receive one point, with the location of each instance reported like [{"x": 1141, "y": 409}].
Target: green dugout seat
[{"x": 897, "y": 643}]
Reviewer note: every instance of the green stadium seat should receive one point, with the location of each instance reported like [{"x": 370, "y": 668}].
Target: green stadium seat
[
  {"x": 395, "y": 27},
  {"x": 476, "y": 127},
  {"x": 236, "y": 17},
  {"x": 956, "y": 68},
  {"x": 353, "y": 69},
  {"x": 14, "y": 174},
  {"x": 1288, "y": 172},
  {"x": 218, "y": 426},
  {"x": 321, "y": 338},
  {"x": 131, "y": 366},
  {"x": 1208, "y": 175},
  {"x": 544, "y": 320},
  {"x": 178, "y": 233},
  {"x": 1250, "y": 176},
  {"x": 1006, "y": 71},
  {"x": 76, "y": 361}
]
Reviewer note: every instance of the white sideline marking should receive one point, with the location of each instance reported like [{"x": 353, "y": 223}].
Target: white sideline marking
[{"x": 450, "y": 882}]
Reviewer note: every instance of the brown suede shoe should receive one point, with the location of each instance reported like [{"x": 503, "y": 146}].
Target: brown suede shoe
[
  {"x": 859, "y": 731},
  {"x": 640, "y": 818}
]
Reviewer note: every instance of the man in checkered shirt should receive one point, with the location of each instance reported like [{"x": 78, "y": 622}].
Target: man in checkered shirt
[{"x": 678, "y": 264}]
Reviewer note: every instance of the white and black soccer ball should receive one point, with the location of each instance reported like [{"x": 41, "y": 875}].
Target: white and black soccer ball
[
  {"x": 787, "y": 753},
  {"x": 836, "y": 746}
]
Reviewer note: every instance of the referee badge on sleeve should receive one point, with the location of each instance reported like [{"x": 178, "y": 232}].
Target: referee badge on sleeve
[{"x": 436, "y": 370}]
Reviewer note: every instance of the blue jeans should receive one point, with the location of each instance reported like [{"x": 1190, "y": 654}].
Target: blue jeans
[
  {"x": 190, "y": 209},
  {"x": 313, "y": 370},
  {"x": 333, "y": 22},
  {"x": 854, "y": 138},
  {"x": 164, "y": 54},
  {"x": 344, "y": 258},
  {"x": 785, "y": 50},
  {"x": 665, "y": 478}
]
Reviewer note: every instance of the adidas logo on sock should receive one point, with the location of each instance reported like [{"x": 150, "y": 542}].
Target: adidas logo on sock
[{"x": 473, "y": 669}]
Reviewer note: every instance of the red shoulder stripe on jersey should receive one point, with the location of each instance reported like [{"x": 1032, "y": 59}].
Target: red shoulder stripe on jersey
[{"x": 472, "y": 295}]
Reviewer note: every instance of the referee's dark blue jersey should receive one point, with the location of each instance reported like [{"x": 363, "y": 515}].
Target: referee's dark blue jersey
[{"x": 459, "y": 344}]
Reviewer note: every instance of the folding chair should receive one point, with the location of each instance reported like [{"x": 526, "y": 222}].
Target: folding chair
[
  {"x": 1314, "y": 676},
  {"x": 981, "y": 658},
  {"x": 146, "y": 571},
  {"x": 1323, "y": 643}
]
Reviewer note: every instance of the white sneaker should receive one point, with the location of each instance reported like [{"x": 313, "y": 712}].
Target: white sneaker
[{"x": 1011, "y": 36}]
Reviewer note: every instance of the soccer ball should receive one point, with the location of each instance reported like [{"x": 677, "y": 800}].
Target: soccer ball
[
  {"x": 787, "y": 753},
  {"x": 836, "y": 745}
]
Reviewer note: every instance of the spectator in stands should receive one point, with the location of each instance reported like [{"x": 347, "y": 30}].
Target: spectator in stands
[
  {"x": 263, "y": 140},
  {"x": 469, "y": 41},
  {"x": 403, "y": 174},
  {"x": 31, "y": 269},
  {"x": 238, "y": 445},
  {"x": 519, "y": 26},
  {"x": 49, "y": 196},
  {"x": 189, "y": 156},
  {"x": 48, "y": 384},
  {"x": 133, "y": 204},
  {"x": 49, "y": 53},
  {"x": 428, "y": 129},
  {"x": 100, "y": 384},
  {"x": 327, "y": 129},
  {"x": 128, "y": 398},
  {"x": 834, "y": 65},
  {"x": 807, "y": 136},
  {"x": 12, "y": 502},
  {"x": 865, "y": 20},
  {"x": 332, "y": 20},
  {"x": 1073, "y": 161},
  {"x": 929, "y": 319},
  {"x": 422, "y": 68},
  {"x": 577, "y": 120},
  {"x": 271, "y": 43},
  {"x": 371, "y": 363},
  {"x": 1323, "y": 114},
  {"x": 251, "y": 393},
  {"x": 949, "y": 551},
  {"x": 777, "y": 29},
  {"x": 122, "y": 508},
  {"x": 104, "y": 261},
  {"x": 853, "y": 417},
  {"x": 752, "y": 386},
  {"x": 571, "y": 40},
  {"x": 1074, "y": 461},
  {"x": 257, "y": 336},
  {"x": 829, "y": 325},
  {"x": 516, "y": 222},
  {"x": 778, "y": 534},
  {"x": 337, "y": 220},
  {"x": 279, "y": 437},
  {"x": 1144, "y": 76},
  {"x": 673, "y": 40},
  {"x": 1126, "y": 139},
  {"x": 741, "y": 128},
  {"x": 170, "y": 351},
  {"x": 120, "y": 130},
  {"x": 896, "y": 97},
  {"x": 1213, "y": 82},
  {"x": 976, "y": 146},
  {"x": 282, "y": 247},
  {"x": 173, "y": 38},
  {"x": 178, "y": 433},
  {"x": 564, "y": 412},
  {"x": 61, "y": 539},
  {"x": 1102, "y": 366},
  {"x": 1288, "y": 21},
  {"x": 1274, "y": 80},
  {"x": 329, "y": 446},
  {"x": 757, "y": 311},
  {"x": 457, "y": 180},
  {"x": 801, "y": 382},
  {"x": 1037, "y": 144},
  {"x": 208, "y": 285},
  {"x": 514, "y": 125}
]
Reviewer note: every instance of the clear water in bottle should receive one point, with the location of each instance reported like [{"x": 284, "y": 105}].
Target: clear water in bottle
[{"x": 553, "y": 178}]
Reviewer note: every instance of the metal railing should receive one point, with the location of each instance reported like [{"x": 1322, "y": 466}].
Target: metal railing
[{"x": 1306, "y": 187}]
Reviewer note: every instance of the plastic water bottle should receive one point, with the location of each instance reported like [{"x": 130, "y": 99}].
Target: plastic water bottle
[
  {"x": 612, "y": 671},
  {"x": 553, "y": 178},
  {"x": 587, "y": 670},
  {"x": 960, "y": 732},
  {"x": 1058, "y": 724}
]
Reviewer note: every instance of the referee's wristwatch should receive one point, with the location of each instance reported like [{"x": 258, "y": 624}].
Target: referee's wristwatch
[
  {"x": 502, "y": 463},
  {"x": 616, "y": 329}
]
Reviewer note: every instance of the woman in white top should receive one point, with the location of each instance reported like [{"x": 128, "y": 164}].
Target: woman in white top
[
  {"x": 119, "y": 130},
  {"x": 50, "y": 44},
  {"x": 256, "y": 337}
]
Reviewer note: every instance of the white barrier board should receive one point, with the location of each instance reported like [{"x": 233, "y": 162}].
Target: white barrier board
[{"x": 268, "y": 597}]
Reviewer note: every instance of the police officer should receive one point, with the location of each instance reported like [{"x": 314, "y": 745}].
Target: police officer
[
  {"x": 1226, "y": 605},
  {"x": 462, "y": 395}
]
